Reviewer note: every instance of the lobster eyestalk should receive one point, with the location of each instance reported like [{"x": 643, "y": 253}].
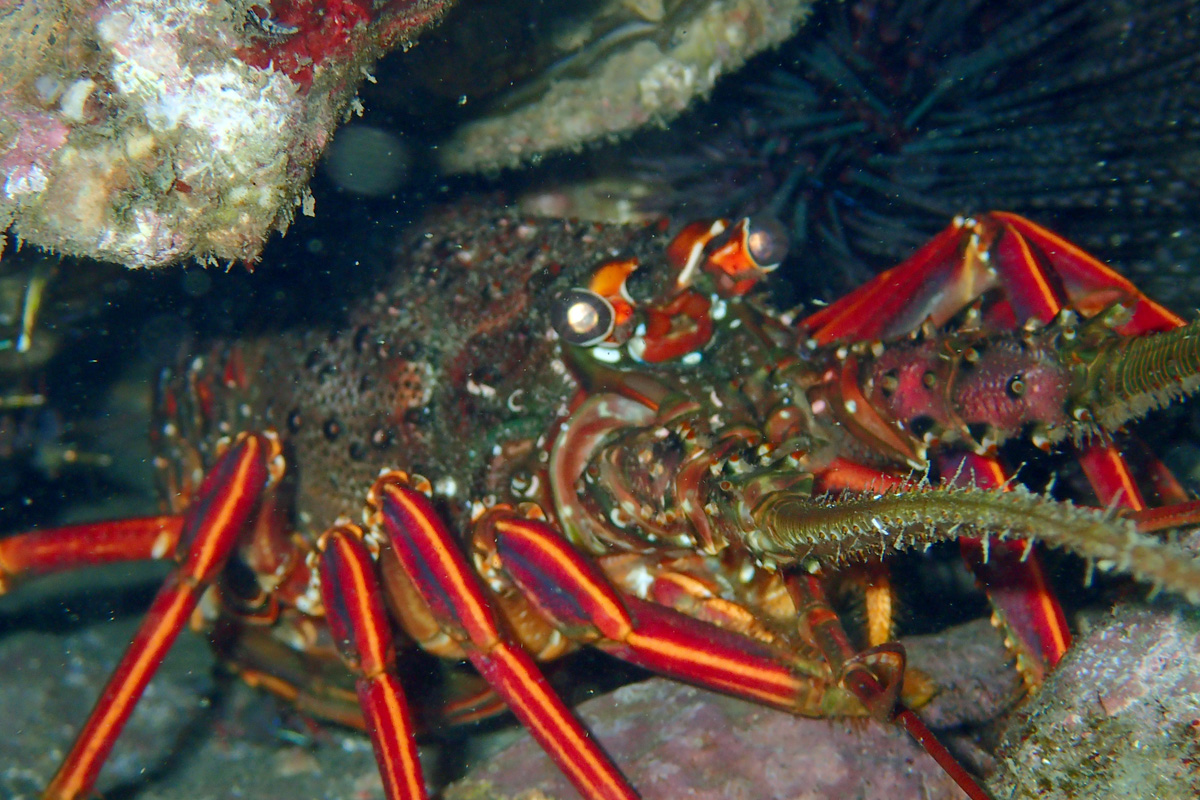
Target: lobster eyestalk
[
  {"x": 1124, "y": 379},
  {"x": 789, "y": 527}
]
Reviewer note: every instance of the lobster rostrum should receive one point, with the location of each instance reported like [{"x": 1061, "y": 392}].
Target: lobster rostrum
[{"x": 642, "y": 459}]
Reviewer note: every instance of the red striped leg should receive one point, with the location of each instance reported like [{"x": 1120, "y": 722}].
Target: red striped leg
[
  {"x": 224, "y": 504},
  {"x": 1111, "y": 477},
  {"x": 1041, "y": 273},
  {"x": 1014, "y": 578},
  {"x": 1090, "y": 284},
  {"x": 900, "y": 299},
  {"x": 437, "y": 568},
  {"x": 60, "y": 549},
  {"x": 362, "y": 632},
  {"x": 1166, "y": 517},
  {"x": 572, "y": 591}
]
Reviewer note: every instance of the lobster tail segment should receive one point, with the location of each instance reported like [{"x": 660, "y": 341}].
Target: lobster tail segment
[
  {"x": 1126, "y": 378},
  {"x": 790, "y": 527}
]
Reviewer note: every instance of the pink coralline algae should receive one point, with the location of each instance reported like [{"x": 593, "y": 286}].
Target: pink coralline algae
[
  {"x": 30, "y": 155},
  {"x": 152, "y": 131}
]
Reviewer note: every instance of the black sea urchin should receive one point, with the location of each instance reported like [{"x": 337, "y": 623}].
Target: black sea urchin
[{"x": 883, "y": 119}]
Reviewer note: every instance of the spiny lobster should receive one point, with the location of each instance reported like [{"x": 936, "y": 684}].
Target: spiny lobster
[{"x": 651, "y": 464}]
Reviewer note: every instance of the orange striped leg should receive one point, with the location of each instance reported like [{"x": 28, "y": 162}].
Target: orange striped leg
[
  {"x": 1041, "y": 273},
  {"x": 227, "y": 498},
  {"x": 362, "y": 632},
  {"x": 1111, "y": 477},
  {"x": 571, "y": 591},
  {"x": 1164, "y": 518},
  {"x": 432, "y": 560},
  {"x": 60, "y": 549},
  {"x": 900, "y": 299},
  {"x": 1090, "y": 285}
]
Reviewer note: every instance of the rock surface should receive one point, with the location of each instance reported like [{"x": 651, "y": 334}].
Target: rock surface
[
  {"x": 646, "y": 70},
  {"x": 148, "y": 132},
  {"x": 675, "y": 741},
  {"x": 1119, "y": 719}
]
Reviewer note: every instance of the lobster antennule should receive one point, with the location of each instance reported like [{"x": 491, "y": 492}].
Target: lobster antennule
[
  {"x": 1130, "y": 377},
  {"x": 789, "y": 527}
]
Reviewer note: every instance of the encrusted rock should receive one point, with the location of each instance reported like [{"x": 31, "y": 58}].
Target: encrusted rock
[
  {"x": 149, "y": 132},
  {"x": 1118, "y": 719},
  {"x": 614, "y": 72}
]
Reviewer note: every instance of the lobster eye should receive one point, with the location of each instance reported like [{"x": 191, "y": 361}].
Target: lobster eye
[
  {"x": 766, "y": 241},
  {"x": 582, "y": 317},
  {"x": 1015, "y": 386}
]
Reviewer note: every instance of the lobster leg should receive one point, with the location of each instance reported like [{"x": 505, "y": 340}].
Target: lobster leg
[
  {"x": 861, "y": 673},
  {"x": 60, "y": 549},
  {"x": 1111, "y": 477},
  {"x": 227, "y": 499},
  {"x": 1040, "y": 272},
  {"x": 430, "y": 558},
  {"x": 901, "y": 298},
  {"x": 574, "y": 593},
  {"x": 362, "y": 633},
  {"x": 1090, "y": 285},
  {"x": 1012, "y": 574}
]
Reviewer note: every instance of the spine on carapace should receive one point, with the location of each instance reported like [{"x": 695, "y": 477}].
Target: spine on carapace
[{"x": 790, "y": 527}]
